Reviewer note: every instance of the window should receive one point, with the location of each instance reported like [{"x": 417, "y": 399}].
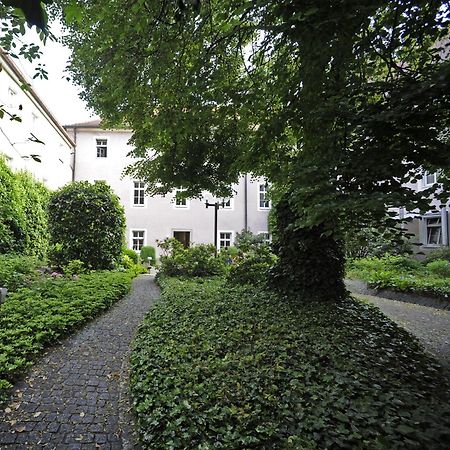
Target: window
[
  {"x": 180, "y": 202},
  {"x": 263, "y": 201},
  {"x": 102, "y": 148},
  {"x": 225, "y": 238},
  {"x": 227, "y": 203},
  {"x": 266, "y": 236},
  {"x": 137, "y": 239},
  {"x": 429, "y": 178},
  {"x": 139, "y": 193},
  {"x": 434, "y": 230}
]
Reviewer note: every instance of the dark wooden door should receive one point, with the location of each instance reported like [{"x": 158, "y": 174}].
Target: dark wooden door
[{"x": 183, "y": 236}]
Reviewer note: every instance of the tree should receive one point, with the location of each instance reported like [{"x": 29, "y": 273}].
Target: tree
[
  {"x": 339, "y": 104},
  {"x": 87, "y": 223}
]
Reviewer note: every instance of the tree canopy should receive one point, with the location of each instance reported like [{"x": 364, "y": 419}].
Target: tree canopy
[{"x": 339, "y": 103}]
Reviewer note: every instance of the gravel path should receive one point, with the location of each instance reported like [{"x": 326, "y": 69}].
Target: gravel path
[
  {"x": 76, "y": 396},
  {"x": 431, "y": 326}
]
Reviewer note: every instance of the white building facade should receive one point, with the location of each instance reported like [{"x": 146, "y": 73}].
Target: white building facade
[
  {"x": 31, "y": 138},
  {"x": 102, "y": 155}
]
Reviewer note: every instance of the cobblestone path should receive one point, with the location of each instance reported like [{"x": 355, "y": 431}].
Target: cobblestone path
[
  {"x": 76, "y": 396},
  {"x": 431, "y": 326}
]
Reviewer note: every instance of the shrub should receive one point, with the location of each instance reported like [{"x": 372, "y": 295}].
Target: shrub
[
  {"x": 441, "y": 253},
  {"x": 31, "y": 319},
  {"x": 246, "y": 241},
  {"x": 439, "y": 267},
  {"x": 146, "y": 252},
  {"x": 252, "y": 269},
  {"x": 197, "y": 260},
  {"x": 75, "y": 267},
  {"x": 131, "y": 254},
  {"x": 18, "y": 271},
  {"x": 87, "y": 223},
  {"x": 23, "y": 213},
  {"x": 215, "y": 367}
]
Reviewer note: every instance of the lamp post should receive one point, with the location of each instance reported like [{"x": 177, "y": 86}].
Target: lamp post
[{"x": 216, "y": 205}]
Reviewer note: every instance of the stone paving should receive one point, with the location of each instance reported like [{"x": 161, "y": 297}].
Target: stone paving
[{"x": 76, "y": 396}]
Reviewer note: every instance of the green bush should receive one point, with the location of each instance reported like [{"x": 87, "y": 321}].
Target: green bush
[
  {"x": 18, "y": 271},
  {"x": 441, "y": 253},
  {"x": 439, "y": 267},
  {"x": 246, "y": 241},
  {"x": 365, "y": 267},
  {"x": 87, "y": 223},
  {"x": 31, "y": 319},
  {"x": 131, "y": 254},
  {"x": 23, "y": 213},
  {"x": 75, "y": 267},
  {"x": 253, "y": 268},
  {"x": 196, "y": 261},
  {"x": 239, "y": 368},
  {"x": 146, "y": 252}
]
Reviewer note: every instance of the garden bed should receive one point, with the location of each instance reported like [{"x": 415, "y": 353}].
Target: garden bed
[
  {"x": 35, "y": 317},
  {"x": 220, "y": 367}
]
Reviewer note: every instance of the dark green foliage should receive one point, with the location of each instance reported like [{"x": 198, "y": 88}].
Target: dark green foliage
[
  {"x": 252, "y": 267},
  {"x": 87, "y": 223},
  {"x": 441, "y": 253},
  {"x": 35, "y": 317},
  {"x": 131, "y": 254},
  {"x": 23, "y": 213},
  {"x": 214, "y": 367},
  {"x": 375, "y": 242},
  {"x": 310, "y": 261},
  {"x": 246, "y": 241},
  {"x": 403, "y": 274},
  {"x": 146, "y": 252},
  {"x": 18, "y": 271},
  {"x": 195, "y": 261}
]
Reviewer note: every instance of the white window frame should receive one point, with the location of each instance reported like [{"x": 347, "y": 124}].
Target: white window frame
[
  {"x": 269, "y": 236},
  {"x": 97, "y": 146},
  {"x": 133, "y": 230},
  {"x": 426, "y": 228},
  {"x": 425, "y": 175},
  {"x": 231, "y": 239},
  {"x": 134, "y": 189},
  {"x": 180, "y": 206},
  {"x": 231, "y": 205},
  {"x": 263, "y": 208}
]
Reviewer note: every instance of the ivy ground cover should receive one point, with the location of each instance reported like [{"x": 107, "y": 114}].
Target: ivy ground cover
[
  {"x": 237, "y": 368},
  {"x": 32, "y": 318}
]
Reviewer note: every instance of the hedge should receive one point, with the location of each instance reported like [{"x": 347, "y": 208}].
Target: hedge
[
  {"x": 234, "y": 368},
  {"x": 33, "y": 318},
  {"x": 18, "y": 271}
]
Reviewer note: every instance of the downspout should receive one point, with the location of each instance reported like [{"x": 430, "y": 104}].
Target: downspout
[
  {"x": 74, "y": 152},
  {"x": 444, "y": 224},
  {"x": 245, "y": 204}
]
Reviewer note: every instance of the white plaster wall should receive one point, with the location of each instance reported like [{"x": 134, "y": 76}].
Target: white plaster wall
[
  {"x": 55, "y": 168},
  {"x": 159, "y": 217}
]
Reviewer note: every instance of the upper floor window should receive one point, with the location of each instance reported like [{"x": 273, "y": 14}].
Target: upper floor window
[
  {"x": 138, "y": 238},
  {"x": 227, "y": 203},
  {"x": 139, "y": 193},
  {"x": 102, "y": 148},
  {"x": 433, "y": 226},
  {"x": 263, "y": 199},
  {"x": 429, "y": 178},
  {"x": 180, "y": 202}
]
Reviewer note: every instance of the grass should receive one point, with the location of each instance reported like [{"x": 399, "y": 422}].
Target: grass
[
  {"x": 235, "y": 368},
  {"x": 35, "y": 317}
]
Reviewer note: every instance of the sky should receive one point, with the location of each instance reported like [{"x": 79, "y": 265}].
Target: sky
[{"x": 58, "y": 94}]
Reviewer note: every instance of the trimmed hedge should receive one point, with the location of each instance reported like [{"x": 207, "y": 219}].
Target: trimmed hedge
[
  {"x": 214, "y": 367},
  {"x": 31, "y": 319},
  {"x": 18, "y": 271}
]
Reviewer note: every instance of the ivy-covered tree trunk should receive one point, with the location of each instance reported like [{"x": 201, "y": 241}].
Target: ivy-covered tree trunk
[{"x": 311, "y": 263}]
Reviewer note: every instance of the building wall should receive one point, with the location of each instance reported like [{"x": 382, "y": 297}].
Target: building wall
[
  {"x": 159, "y": 217},
  {"x": 56, "y": 152}
]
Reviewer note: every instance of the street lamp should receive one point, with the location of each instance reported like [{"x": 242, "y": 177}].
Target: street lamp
[{"x": 216, "y": 205}]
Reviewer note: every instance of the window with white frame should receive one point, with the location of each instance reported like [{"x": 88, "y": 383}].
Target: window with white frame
[
  {"x": 138, "y": 193},
  {"x": 433, "y": 228},
  {"x": 263, "y": 200},
  {"x": 137, "y": 237},
  {"x": 429, "y": 178},
  {"x": 225, "y": 239},
  {"x": 180, "y": 202},
  {"x": 227, "y": 203},
  {"x": 266, "y": 236},
  {"x": 102, "y": 148}
]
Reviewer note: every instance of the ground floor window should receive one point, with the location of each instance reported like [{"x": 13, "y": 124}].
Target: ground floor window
[
  {"x": 225, "y": 238},
  {"x": 433, "y": 230},
  {"x": 138, "y": 239},
  {"x": 266, "y": 236}
]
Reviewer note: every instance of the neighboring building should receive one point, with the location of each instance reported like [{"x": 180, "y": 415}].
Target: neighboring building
[
  {"x": 49, "y": 161},
  {"x": 103, "y": 155}
]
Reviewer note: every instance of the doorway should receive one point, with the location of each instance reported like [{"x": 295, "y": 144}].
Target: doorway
[{"x": 184, "y": 237}]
